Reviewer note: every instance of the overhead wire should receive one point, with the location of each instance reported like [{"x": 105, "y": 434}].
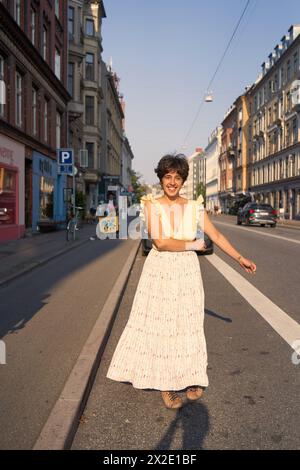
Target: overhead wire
[{"x": 215, "y": 73}]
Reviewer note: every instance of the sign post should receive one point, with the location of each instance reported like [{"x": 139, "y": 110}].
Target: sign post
[{"x": 65, "y": 160}]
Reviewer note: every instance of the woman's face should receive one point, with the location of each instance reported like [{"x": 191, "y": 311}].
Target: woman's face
[{"x": 171, "y": 184}]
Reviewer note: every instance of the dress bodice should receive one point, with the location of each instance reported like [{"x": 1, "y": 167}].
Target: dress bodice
[{"x": 187, "y": 217}]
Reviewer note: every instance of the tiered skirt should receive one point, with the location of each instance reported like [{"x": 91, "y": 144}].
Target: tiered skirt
[{"x": 163, "y": 346}]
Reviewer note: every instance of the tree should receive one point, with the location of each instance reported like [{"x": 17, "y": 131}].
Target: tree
[
  {"x": 201, "y": 189},
  {"x": 139, "y": 188}
]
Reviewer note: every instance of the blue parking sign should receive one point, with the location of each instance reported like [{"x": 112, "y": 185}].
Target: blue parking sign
[{"x": 65, "y": 156}]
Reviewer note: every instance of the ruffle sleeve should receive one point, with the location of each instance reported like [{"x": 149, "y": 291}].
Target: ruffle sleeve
[{"x": 143, "y": 200}]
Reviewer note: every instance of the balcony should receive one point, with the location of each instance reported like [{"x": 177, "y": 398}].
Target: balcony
[{"x": 75, "y": 109}]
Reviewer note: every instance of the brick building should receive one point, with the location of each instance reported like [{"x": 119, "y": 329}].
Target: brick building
[{"x": 33, "y": 113}]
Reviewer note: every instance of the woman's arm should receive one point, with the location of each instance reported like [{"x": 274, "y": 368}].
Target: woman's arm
[{"x": 213, "y": 233}]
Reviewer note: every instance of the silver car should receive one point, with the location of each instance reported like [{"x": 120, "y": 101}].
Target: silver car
[{"x": 255, "y": 213}]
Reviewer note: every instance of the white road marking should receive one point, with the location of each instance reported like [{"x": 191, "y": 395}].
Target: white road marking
[
  {"x": 264, "y": 234},
  {"x": 280, "y": 321}
]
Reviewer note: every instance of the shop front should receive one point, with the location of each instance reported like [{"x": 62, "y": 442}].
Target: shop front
[
  {"x": 47, "y": 191},
  {"x": 12, "y": 158}
]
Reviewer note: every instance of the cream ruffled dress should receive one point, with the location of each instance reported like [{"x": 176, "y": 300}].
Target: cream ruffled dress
[{"x": 163, "y": 345}]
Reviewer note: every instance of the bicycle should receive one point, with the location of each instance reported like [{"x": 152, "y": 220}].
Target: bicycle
[{"x": 72, "y": 224}]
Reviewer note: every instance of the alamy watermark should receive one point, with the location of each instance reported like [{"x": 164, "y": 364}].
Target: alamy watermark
[{"x": 137, "y": 227}]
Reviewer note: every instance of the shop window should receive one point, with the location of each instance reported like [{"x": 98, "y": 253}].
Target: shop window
[
  {"x": 46, "y": 198},
  {"x": 8, "y": 195}
]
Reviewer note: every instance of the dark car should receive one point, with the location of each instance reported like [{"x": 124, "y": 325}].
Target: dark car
[{"x": 257, "y": 214}]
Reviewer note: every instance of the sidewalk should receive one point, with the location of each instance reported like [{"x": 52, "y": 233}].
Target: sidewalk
[{"x": 20, "y": 256}]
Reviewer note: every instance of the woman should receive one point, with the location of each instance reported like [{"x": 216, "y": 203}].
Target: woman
[{"x": 163, "y": 345}]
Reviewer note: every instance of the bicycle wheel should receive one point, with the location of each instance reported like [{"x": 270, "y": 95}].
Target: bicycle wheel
[{"x": 71, "y": 230}]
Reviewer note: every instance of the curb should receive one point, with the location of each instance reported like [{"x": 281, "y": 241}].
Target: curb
[
  {"x": 61, "y": 426},
  {"x": 36, "y": 264}
]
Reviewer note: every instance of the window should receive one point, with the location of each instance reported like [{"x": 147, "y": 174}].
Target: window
[
  {"x": 71, "y": 79},
  {"x": 295, "y": 131},
  {"x": 58, "y": 130},
  {"x": 32, "y": 25},
  {"x": 2, "y": 87},
  {"x": 71, "y": 22},
  {"x": 46, "y": 110},
  {"x": 34, "y": 111},
  {"x": 57, "y": 63},
  {"x": 8, "y": 195},
  {"x": 296, "y": 64},
  {"x": 288, "y": 70},
  {"x": 90, "y": 148},
  {"x": 17, "y": 11},
  {"x": 46, "y": 197},
  {"x": 18, "y": 99},
  {"x": 89, "y": 27},
  {"x": 89, "y": 67},
  {"x": 44, "y": 43},
  {"x": 57, "y": 8},
  {"x": 89, "y": 110}
]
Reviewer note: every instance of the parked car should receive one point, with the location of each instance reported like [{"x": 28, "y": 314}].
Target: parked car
[{"x": 257, "y": 214}]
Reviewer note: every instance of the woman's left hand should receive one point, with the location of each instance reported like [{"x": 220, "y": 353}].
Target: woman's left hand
[{"x": 248, "y": 265}]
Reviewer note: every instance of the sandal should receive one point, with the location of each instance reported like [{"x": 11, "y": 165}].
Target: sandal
[
  {"x": 194, "y": 393},
  {"x": 172, "y": 400}
]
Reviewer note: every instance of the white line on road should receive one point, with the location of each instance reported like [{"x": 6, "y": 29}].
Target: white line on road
[
  {"x": 280, "y": 321},
  {"x": 264, "y": 234}
]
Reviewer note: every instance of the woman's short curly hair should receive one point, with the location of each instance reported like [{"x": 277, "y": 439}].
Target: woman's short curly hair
[{"x": 170, "y": 163}]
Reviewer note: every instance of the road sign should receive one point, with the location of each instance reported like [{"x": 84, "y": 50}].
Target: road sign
[
  {"x": 65, "y": 156},
  {"x": 66, "y": 169}
]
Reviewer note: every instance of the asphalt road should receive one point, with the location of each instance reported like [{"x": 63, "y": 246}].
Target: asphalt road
[
  {"x": 252, "y": 401},
  {"x": 46, "y": 317}
]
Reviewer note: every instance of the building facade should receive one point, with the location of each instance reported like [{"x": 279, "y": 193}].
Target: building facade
[
  {"x": 226, "y": 160},
  {"x": 212, "y": 153},
  {"x": 190, "y": 187},
  {"x": 112, "y": 133},
  {"x": 92, "y": 97},
  {"x": 33, "y": 113},
  {"x": 126, "y": 167},
  {"x": 274, "y": 170}
]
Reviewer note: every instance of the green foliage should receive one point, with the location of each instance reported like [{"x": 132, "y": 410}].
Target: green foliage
[
  {"x": 201, "y": 190},
  {"x": 138, "y": 187},
  {"x": 80, "y": 201}
]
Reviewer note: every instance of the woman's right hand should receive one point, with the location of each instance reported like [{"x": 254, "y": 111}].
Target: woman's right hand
[
  {"x": 196, "y": 245},
  {"x": 247, "y": 264}
]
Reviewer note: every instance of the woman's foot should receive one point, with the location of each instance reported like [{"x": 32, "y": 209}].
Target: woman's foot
[
  {"x": 194, "y": 393},
  {"x": 172, "y": 400}
]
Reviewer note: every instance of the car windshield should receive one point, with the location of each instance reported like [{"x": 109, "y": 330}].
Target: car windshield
[{"x": 264, "y": 207}]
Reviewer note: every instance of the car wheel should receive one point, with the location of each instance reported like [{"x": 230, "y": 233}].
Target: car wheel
[
  {"x": 238, "y": 222},
  {"x": 273, "y": 225},
  {"x": 262, "y": 225}
]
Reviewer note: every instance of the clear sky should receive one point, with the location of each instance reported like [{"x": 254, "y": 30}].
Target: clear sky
[{"x": 166, "y": 52}]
